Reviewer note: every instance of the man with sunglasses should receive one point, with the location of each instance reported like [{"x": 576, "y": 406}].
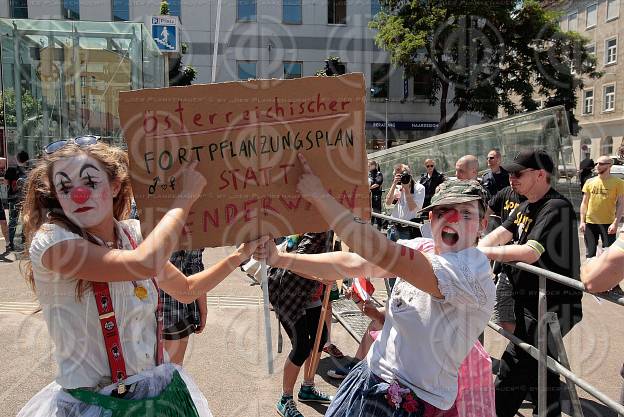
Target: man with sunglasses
[
  {"x": 602, "y": 207},
  {"x": 430, "y": 179},
  {"x": 543, "y": 229},
  {"x": 497, "y": 177}
]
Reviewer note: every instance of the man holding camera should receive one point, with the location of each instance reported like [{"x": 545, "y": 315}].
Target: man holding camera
[{"x": 407, "y": 197}]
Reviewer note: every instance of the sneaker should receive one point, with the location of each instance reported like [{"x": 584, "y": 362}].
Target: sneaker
[
  {"x": 333, "y": 350},
  {"x": 309, "y": 394},
  {"x": 340, "y": 373},
  {"x": 288, "y": 408}
]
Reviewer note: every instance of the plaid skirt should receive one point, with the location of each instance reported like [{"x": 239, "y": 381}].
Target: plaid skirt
[{"x": 364, "y": 394}]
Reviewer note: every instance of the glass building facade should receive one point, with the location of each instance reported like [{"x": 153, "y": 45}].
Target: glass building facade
[{"x": 61, "y": 79}]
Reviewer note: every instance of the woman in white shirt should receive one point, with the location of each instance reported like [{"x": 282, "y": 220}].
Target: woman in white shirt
[
  {"x": 435, "y": 314},
  {"x": 106, "y": 335}
]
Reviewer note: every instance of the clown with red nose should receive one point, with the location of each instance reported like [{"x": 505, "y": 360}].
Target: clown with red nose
[{"x": 84, "y": 190}]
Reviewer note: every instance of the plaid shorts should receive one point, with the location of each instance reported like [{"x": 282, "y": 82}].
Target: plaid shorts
[{"x": 179, "y": 319}]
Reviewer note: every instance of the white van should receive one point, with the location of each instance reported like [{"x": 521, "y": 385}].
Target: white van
[{"x": 618, "y": 167}]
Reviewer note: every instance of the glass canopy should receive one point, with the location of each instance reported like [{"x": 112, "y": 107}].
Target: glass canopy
[
  {"x": 61, "y": 78},
  {"x": 543, "y": 129}
]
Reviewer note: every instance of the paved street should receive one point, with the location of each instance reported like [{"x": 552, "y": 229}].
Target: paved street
[{"x": 228, "y": 359}]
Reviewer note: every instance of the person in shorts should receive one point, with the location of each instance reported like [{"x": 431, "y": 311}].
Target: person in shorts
[{"x": 181, "y": 320}]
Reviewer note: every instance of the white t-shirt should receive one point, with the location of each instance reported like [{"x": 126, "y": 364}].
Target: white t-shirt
[
  {"x": 401, "y": 209},
  {"x": 74, "y": 325},
  {"x": 424, "y": 339}
]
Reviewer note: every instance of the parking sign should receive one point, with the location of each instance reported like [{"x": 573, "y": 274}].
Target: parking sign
[{"x": 165, "y": 33}]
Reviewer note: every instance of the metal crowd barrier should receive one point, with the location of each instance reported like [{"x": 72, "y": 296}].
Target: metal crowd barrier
[{"x": 539, "y": 353}]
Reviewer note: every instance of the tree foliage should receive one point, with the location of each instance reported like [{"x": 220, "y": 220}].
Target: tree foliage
[
  {"x": 31, "y": 107},
  {"x": 483, "y": 56}
]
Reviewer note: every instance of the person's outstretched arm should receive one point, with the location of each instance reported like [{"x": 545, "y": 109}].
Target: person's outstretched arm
[
  {"x": 606, "y": 271},
  {"x": 187, "y": 289},
  {"x": 331, "y": 266},
  {"x": 409, "y": 264}
]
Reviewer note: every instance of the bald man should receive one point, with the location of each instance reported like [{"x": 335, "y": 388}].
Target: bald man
[
  {"x": 467, "y": 167},
  {"x": 602, "y": 207}
]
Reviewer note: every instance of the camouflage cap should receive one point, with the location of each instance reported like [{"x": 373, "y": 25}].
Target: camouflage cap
[{"x": 456, "y": 192}]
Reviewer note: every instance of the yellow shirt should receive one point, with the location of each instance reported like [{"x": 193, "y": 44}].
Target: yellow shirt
[{"x": 603, "y": 197}]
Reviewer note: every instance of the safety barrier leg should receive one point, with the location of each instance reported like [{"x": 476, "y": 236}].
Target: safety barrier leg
[
  {"x": 542, "y": 343},
  {"x": 555, "y": 330}
]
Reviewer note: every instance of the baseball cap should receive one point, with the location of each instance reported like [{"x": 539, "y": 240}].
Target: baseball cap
[
  {"x": 456, "y": 192},
  {"x": 534, "y": 159}
]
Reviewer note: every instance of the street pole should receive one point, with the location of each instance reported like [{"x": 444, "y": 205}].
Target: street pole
[{"x": 386, "y": 123}]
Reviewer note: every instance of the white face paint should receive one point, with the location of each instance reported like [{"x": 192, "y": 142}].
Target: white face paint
[{"x": 83, "y": 190}]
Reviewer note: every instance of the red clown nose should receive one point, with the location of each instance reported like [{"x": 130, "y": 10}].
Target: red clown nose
[
  {"x": 80, "y": 195},
  {"x": 452, "y": 216}
]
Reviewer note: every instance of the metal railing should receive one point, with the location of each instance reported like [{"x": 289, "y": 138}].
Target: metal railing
[{"x": 540, "y": 352}]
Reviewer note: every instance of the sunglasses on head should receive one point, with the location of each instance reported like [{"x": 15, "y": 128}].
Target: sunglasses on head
[{"x": 81, "y": 141}]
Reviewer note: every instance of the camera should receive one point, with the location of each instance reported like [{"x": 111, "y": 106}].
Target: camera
[{"x": 405, "y": 177}]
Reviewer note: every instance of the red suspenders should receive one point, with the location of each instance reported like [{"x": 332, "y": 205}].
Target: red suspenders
[{"x": 108, "y": 323}]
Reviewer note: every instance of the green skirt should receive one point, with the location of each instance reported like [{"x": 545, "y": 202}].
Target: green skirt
[{"x": 174, "y": 401}]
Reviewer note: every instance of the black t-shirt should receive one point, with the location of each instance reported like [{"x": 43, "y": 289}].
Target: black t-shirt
[
  {"x": 15, "y": 177},
  {"x": 495, "y": 182},
  {"x": 551, "y": 225},
  {"x": 376, "y": 177},
  {"x": 504, "y": 202}
]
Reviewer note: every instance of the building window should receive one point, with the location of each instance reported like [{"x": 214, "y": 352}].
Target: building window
[
  {"x": 591, "y": 49},
  {"x": 613, "y": 9},
  {"x": 175, "y": 8},
  {"x": 121, "y": 10},
  {"x": 293, "y": 70},
  {"x": 422, "y": 82},
  {"x": 591, "y": 16},
  {"x": 337, "y": 12},
  {"x": 572, "y": 19},
  {"x": 246, "y": 10},
  {"x": 375, "y": 7},
  {"x": 246, "y": 70},
  {"x": 19, "y": 9},
  {"x": 291, "y": 11},
  {"x": 588, "y": 101},
  {"x": 380, "y": 80},
  {"x": 71, "y": 9},
  {"x": 611, "y": 51},
  {"x": 609, "y": 97},
  {"x": 606, "y": 146}
]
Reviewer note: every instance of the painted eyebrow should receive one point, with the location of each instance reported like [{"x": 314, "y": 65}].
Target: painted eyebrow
[
  {"x": 85, "y": 166},
  {"x": 61, "y": 173}
]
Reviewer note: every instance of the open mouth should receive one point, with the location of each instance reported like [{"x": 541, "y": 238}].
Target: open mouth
[
  {"x": 82, "y": 209},
  {"x": 449, "y": 236}
]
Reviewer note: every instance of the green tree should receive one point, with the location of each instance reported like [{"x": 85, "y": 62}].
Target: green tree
[
  {"x": 31, "y": 107},
  {"x": 164, "y": 8},
  {"x": 481, "y": 56}
]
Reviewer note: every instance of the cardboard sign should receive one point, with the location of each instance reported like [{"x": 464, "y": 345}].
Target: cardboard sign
[{"x": 246, "y": 136}]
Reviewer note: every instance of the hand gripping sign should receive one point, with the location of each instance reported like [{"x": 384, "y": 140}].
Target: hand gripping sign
[{"x": 245, "y": 137}]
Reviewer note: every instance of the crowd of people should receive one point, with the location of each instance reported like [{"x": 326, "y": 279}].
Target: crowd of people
[{"x": 119, "y": 307}]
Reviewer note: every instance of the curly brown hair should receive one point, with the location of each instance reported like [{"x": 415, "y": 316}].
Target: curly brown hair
[{"x": 42, "y": 206}]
